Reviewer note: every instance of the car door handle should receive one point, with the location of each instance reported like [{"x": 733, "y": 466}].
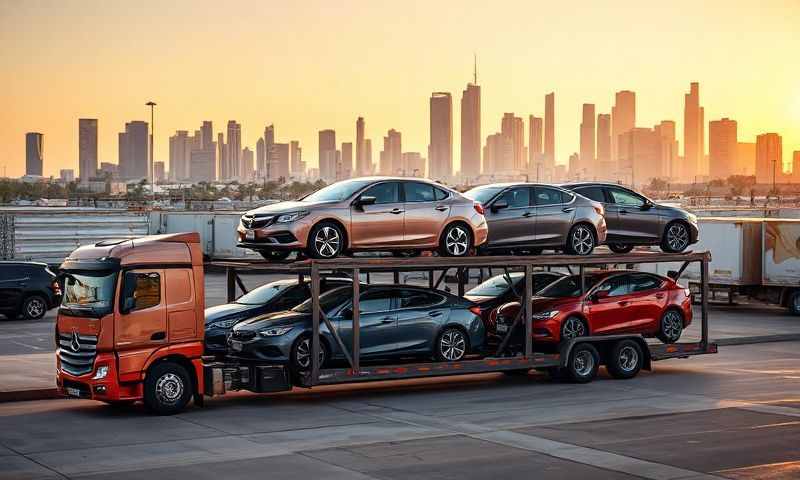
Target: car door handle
[
  {"x": 623, "y": 212},
  {"x": 622, "y": 303},
  {"x": 387, "y": 320},
  {"x": 527, "y": 214},
  {"x": 659, "y": 295},
  {"x": 568, "y": 209},
  {"x": 435, "y": 314},
  {"x": 442, "y": 208},
  {"x": 397, "y": 211}
]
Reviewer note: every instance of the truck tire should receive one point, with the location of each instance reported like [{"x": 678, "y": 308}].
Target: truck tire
[
  {"x": 583, "y": 363},
  {"x": 793, "y": 302},
  {"x": 167, "y": 388},
  {"x": 626, "y": 359}
]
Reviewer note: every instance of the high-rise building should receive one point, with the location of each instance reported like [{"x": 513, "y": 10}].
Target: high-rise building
[
  {"x": 207, "y": 135},
  {"x": 640, "y": 156},
  {"x": 391, "y": 161},
  {"x": 279, "y": 160},
  {"x": 269, "y": 141},
  {"x": 202, "y": 163},
  {"x": 159, "y": 172},
  {"x": 248, "y": 165},
  {"x": 261, "y": 158},
  {"x": 668, "y": 166},
  {"x": 693, "y": 134},
  {"x": 234, "y": 149},
  {"x": 87, "y": 148},
  {"x": 605, "y": 166},
  {"x": 296, "y": 159},
  {"x": 549, "y": 133},
  {"x": 413, "y": 164},
  {"x": 587, "y": 166},
  {"x": 368, "y": 153},
  {"x": 180, "y": 154},
  {"x": 471, "y": 131},
  {"x": 513, "y": 129},
  {"x": 796, "y": 166},
  {"x": 67, "y": 175},
  {"x": 346, "y": 166},
  {"x": 222, "y": 158},
  {"x": 440, "y": 148},
  {"x": 769, "y": 158},
  {"x": 535, "y": 148},
  {"x": 745, "y": 158},
  {"x": 133, "y": 151},
  {"x": 34, "y": 153},
  {"x": 723, "y": 145},
  {"x": 361, "y": 157},
  {"x": 623, "y": 119},
  {"x": 327, "y": 155},
  {"x": 109, "y": 170},
  {"x": 498, "y": 154}
]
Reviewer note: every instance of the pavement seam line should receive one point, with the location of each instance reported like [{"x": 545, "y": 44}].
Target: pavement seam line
[{"x": 46, "y": 467}]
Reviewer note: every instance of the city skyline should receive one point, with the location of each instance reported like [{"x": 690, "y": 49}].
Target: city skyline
[{"x": 514, "y": 80}]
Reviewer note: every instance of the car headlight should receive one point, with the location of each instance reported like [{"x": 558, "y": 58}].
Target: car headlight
[
  {"x": 291, "y": 217},
  {"x": 692, "y": 217},
  {"x": 101, "y": 373},
  {"x": 274, "y": 331},
  {"x": 545, "y": 315},
  {"x": 223, "y": 323}
]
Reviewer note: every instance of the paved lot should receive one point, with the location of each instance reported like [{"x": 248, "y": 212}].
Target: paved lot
[{"x": 732, "y": 415}]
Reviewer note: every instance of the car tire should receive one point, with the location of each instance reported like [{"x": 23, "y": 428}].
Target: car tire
[
  {"x": 620, "y": 247},
  {"x": 676, "y": 238},
  {"x": 456, "y": 241},
  {"x": 670, "y": 327},
  {"x": 581, "y": 240},
  {"x": 275, "y": 255},
  {"x": 452, "y": 345},
  {"x": 793, "y": 302},
  {"x": 301, "y": 355},
  {"x": 167, "y": 388},
  {"x": 326, "y": 240},
  {"x": 626, "y": 359},
  {"x": 573, "y": 327},
  {"x": 34, "y": 307},
  {"x": 583, "y": 363}
]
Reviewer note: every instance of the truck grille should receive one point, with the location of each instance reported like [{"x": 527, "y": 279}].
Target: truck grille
[{"x": 77, "y": 352}]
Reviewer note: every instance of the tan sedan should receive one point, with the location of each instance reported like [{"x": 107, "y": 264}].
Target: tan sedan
[{"x": 362, "y": 214}]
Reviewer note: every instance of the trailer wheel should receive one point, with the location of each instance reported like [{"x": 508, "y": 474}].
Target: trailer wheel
[
  {"x": 794, "y": 302},
  {"x": 167, "y": 388},
  {"x": 583, "y": 363},
  {"x": 626, "y": 359}
]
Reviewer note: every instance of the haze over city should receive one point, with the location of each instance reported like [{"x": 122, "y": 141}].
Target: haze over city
[{"x": 318, "y": 66}]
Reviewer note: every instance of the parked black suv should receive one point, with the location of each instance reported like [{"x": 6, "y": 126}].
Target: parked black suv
[{"x": 27, "y": 289}]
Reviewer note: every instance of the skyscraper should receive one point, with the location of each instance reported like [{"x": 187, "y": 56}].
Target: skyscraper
[
  {"x": 623, "y": 119},
  {"x": 668, "y": 147},
  {"x": 769, "y": 158},
  {"x": 693, "y": 132},
  {"x": 180, "y": 151},
  {"x": 587, "y": 151},
  {"x": 413, "y": 164},
  {"x": 261, "y": 158},
  {"x": 34, "y": 153},
  {"x": 722, "y": 148},
  {"x": 391, "y": 161},
  {"x": 327, "y": 155},
  {"x": 605, "y": 166},
  {"x": 513, "y": 130},
  {"x": 535, "y": 152},
  {"x": 471, "y": 131},
  {"x": 368, "y": 154},
  {"x": 639, "y": 156},
  {"x": 440, "y": 148},
  {"x": 361, "y": 156},
  {"x": 133, "y": 149},
  {"x": 234, "y": 149},
  {"x": 269, "y": 141},
  {"x": 248, "y": 167},
  {"x": 346, "y": 167},
  {"x": 87, "y": 148},
  {"x": 550, "y": 133},
  {"x": 207, "y": 135},
  {"x": 279, "y": 159},
  {"x": 296, "y": 159},
  {"x": 498, "y": 154},
  {"x": 222, "y": 158}
]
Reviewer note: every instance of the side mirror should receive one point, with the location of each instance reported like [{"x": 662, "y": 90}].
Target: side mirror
[
  {"x": 366, "y": 200},
  {"x": 347, "y": 313},
  {"x": 499, "y": 205},
  {"x": 673, "y": 274},
  {"x": 647, "y": 205},
  {"x": 599, "y": 295}
]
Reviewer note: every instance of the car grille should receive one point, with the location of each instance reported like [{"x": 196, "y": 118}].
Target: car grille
[
  {"x": 78, "y": 361},
  {"x": 256, "y": 221},
  {"x": 243, "y": 335}
]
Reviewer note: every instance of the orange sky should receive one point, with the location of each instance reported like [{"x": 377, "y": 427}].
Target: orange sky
[{"x": 321, "y": 64}]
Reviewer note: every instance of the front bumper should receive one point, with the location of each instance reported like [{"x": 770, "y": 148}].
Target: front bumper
[
  {"x": 105, "y": 389},
  {"x": 273, "y": 349},
  {"x": 279, "y": 236}
]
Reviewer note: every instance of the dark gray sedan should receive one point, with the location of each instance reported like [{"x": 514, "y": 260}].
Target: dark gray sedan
[
  {"x": 634, "y": 219},
  {"x": 396, "y": 321},
  {"x": 529, "y": 217}
]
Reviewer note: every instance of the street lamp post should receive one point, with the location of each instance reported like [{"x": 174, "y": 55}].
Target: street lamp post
[{"x": 152, "y": 105}]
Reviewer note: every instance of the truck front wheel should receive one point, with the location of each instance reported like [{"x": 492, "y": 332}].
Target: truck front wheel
[
  {"x": 793, "y": 302},
  {"x": 167, "y": 388}
]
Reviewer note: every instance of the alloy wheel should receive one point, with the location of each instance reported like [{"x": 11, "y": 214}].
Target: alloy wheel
[
  {"x": 452, "y": 345},
  {"x": 457, "y": 241},
  {"x": 582, "y": 240},
  {"x": 583, "y": 363},
  {"x": 572, "y": 328},
  {"x": 672, "y": 325},
  {"x": 169, "y": 388},
  {"x": 303, "y": 354},
  {"x": 327, "y": 242},
  {"x": 628, "y": 359},
  {"x": 34, "y": 308},
  {"x": 677, "y": 237}
]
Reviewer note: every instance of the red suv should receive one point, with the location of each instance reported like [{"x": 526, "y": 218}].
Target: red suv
[{"x": 614, "y": 302}]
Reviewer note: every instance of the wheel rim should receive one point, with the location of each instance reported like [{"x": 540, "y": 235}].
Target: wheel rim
[
  {"x": 452, "y": 345},
  {"x": 169, "y": 388},
  {"x": 303, "y": 357},
  {"x": 457, "y": 241},
  {"x": 796, "y": 303},
  {"x": 583, "y": 363},
  {"x": 34, "y": 308},
  {"x": 677, "y": 237},
  {"x": 672, "y": 325},
  {"x": 582, "y": 241},
  {"x": 628, "y": 359},
  {"x": 573, "y": 328},
  {"x": 327, "y": 242}
]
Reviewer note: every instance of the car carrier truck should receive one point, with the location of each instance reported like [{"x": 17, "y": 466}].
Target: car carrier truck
[{"x": 130, "y": 327}]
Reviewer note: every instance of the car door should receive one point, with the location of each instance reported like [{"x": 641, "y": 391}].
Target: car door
[
  {"x": 610, "y": 314},
  {"x": 631, "y": 218},
  {"x": 648, "y": 302},
  {"x": 13, "y": 280},
  {"x": 554, "y": 214},
  {"x": 511, "y": 219},
  {"x": 419, "y": 316},
  {"x": 378, "y": 322},
  {"x": 427, "y": 208},
  {"x": 382, "y": 222}
]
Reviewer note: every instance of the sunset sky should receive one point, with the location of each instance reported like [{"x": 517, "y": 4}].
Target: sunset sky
[{"x": 310, "y": 65}]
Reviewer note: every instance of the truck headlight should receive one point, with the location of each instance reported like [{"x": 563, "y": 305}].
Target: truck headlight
[
  {"x": 291, "y": 217},
  {"x": 545, "y": 315},
  {"x": 101, "y": 373},
  {"x": 274, "y": 331}
]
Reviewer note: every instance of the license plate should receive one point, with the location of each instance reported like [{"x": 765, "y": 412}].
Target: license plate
[
  {"x": 502, "y": 328},
  {"x": 236, "y": 346},
  {"x": 73, "y": 392},
  {"x": 250, "y": 235}
]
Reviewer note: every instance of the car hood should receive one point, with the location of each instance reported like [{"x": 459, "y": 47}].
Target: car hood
[
  {"x": 288, "y": 206},
  {"x": 675, "y": 212},
  {"x": 288, "y": 317},
  {"x": 226, "y": 310}
]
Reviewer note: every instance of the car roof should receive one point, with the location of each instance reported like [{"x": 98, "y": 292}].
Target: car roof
[
  {"x": 517, "y": 184},
  {"x": 592, "y": 184},
  {"x": 19, "y": 263}
]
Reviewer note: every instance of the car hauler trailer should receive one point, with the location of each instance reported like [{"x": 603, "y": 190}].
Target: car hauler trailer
[{"x": 121, "y": 353}]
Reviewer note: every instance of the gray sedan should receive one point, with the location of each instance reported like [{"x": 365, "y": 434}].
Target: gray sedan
[{"x": 529, "y": 217}]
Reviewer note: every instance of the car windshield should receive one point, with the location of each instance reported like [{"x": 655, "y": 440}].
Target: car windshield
[
  {"x": 495, "y": 286},
  {"x": 337, "y": 192},
  {"x": 263, "y": 294},
  {"x": 483, "y": 194},
  {"x": 328, "y": 300},
  {"x": 568, "y": 286},
  {"x": 89, "y": 294}
]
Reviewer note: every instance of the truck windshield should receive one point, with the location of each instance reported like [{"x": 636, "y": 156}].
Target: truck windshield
[{"x": 88, "y": 294}]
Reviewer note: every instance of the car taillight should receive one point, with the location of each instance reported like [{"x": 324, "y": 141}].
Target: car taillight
[
  {"x": 56, "y": 287},
  {"x": 479, "y": 208},
  {"x": 476, "y": 310}
]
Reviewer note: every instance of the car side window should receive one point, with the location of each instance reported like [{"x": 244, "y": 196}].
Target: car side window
[
  {"x": 641, "y": 283},
  {"x": 418, "y": 299},
  {"x": 418, "y": 192},
  {"x": 566, "y": 197},
  {"x": 624, "y": 197},
  {"x": 517, "y": 197},
  {"x": 440, "y": 194},
  {"x": 386, "y": 192},
  {"x": 294, "y": 296},
  {"x": 547, "y": 196},
  {"x": 376, "y": 301},
  {"x": 616, "y": 286},
  {"x": 141, "y": 290},
  {"x": 592, "y": 193}
]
